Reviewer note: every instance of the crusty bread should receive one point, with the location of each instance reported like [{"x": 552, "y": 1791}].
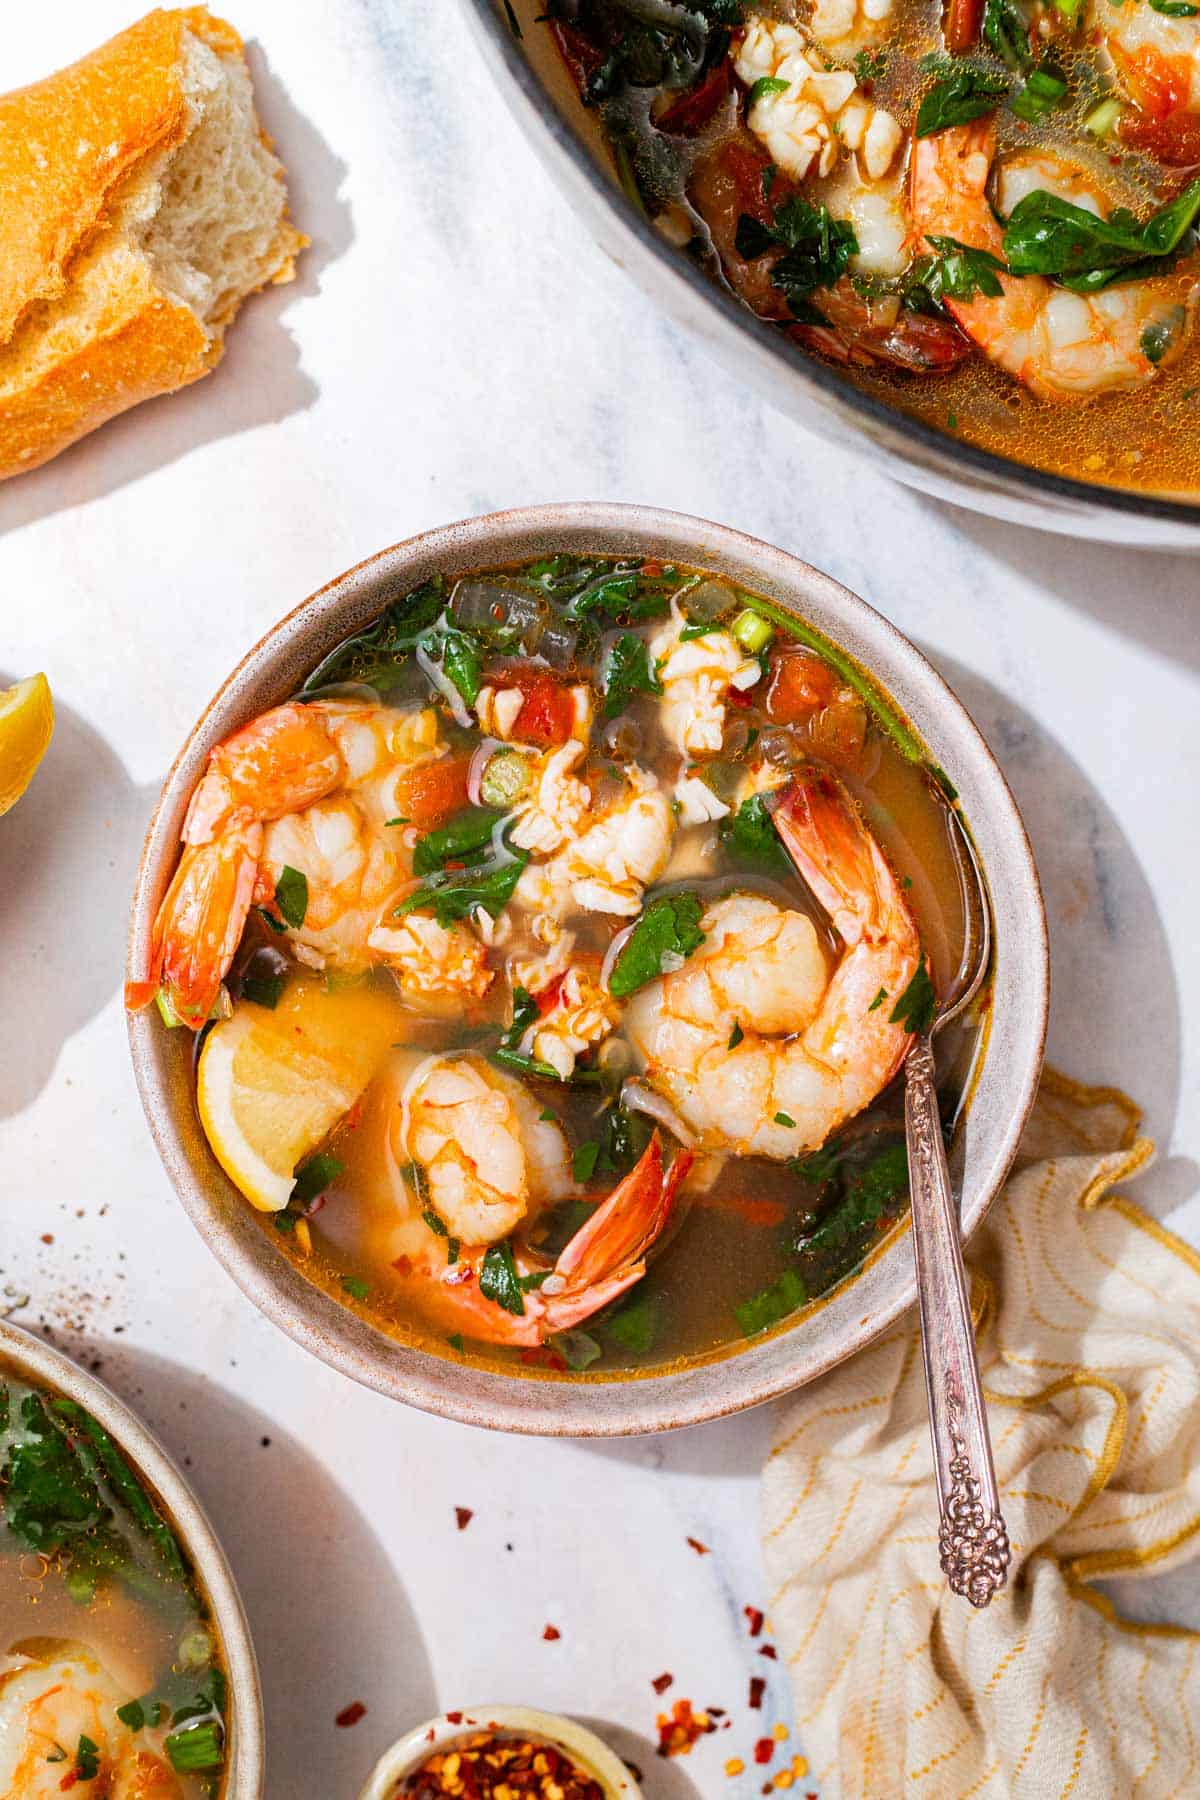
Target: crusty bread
[{"x": 141, "y": 204}]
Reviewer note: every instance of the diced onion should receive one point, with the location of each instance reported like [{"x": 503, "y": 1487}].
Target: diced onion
[{"x": 637, "y": 1098}]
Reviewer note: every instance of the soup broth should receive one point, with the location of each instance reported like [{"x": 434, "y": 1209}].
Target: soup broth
[
  {"x": 111, "y": 1679},
  {"x": 757, "y": 166},
  {"x": 563, "y": 944}
]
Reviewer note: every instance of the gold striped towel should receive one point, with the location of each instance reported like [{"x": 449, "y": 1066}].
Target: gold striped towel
[{"x": 1089, "y": 1331}]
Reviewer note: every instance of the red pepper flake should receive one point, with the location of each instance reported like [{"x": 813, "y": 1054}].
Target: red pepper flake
[
  {"x": 47, "y": 1237},
  {"x": 758, "y": 1688},
  {"x": 681, "y": 1728},
  {"x": 715, "y": 1712},
  {"x": 350, "y": 1715},
  {"x": 754, "y": 1619},
  {"x": 490, "y": 1766},
  {"x": 770, "y": 1651},
  {"x": 464, "y": 1515},
  {"x": 698, "y": 1547},
  {"x": 551, "y": 1634},
  {"x": 662, "y": 1682},
  {"x": 764, "y": 1750}
]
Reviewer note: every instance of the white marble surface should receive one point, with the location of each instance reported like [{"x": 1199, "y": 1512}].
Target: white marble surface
[{"x": 455, "y": 344}]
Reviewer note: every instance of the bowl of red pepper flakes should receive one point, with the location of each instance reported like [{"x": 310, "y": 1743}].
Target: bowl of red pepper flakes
[{"x": 501, "y": 1753}]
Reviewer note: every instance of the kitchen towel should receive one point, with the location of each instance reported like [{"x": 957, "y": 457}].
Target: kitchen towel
[{"x": 1088, "y": 1315}]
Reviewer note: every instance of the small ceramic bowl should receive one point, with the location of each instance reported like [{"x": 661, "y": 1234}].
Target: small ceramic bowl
[
  {"x": 37, "y": 1362},
  {"x": 1007, "y": 1072},
  {"x": 584, "y": 1748}
]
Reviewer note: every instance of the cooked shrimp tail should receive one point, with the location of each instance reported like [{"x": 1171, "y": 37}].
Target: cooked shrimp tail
[
  {"x": 849, "y": 875},
  {"x": 201, "y": 920},
  {"x": 605, "y": 1258},
  {"x": 608, "y": 1253}
]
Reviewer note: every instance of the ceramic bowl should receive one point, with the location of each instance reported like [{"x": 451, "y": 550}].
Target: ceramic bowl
[
  {"x": 566, "y": 137},
  {"x": 985, "y": 1142},
  {"x": 591, "y": 1754},
  {"x": 37, "y": 1362}
]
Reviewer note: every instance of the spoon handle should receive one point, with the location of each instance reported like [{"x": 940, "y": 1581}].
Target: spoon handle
[{"x": 972, "y": 1537}]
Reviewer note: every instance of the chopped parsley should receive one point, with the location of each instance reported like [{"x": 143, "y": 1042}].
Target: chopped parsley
[
  {"x": 291, "y": 896},
  {"x": 355, "y": 1286},
  {"x": 498, "y": 1278},
  {"x": 915, "y": 1008}
]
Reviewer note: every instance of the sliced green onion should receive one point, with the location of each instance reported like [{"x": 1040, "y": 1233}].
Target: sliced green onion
[
  {"x": 199, "y": 1747},
  {"x": 1043, "y": 91},
  {"x": 166, "y": 1011},
  {"x": 504, "y": 779},
  {"x": 752, "y": 632},
  {"x": 1103, "y": 120}
]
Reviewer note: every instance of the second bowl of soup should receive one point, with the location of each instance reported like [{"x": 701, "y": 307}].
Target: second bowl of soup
[
  {"x": 525, "y": 956},
  {"x": 125, "y": 1663}
]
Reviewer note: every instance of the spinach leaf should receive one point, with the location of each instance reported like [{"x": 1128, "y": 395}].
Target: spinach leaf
[
  {"x": 264, "y": 990},
  {"x": 578, "y": 1349},
  {"x": 624, "y": 1136},
  {"x": 634, "y": 1325},
  {"x": 1049, "y": 236},
  {"x": 455, "y": 893},
  {"x": 498, "y": 1278},
  {"x": 880, "y": 1183},
  {"x": 462, "y": 838},
  {"x": 668, "y": 45},
  {"x": 669, "y": 927},
  {"x": 816, "y": 249},
  {"x": 750, "y": 838},
  {"x": 955, "y": 272},
  {"x": 376, "y": 656},
  {"x": 966, "y": 94},
  {"x": 314, "y": 1175},
  {"x": 1006, "y": 31},
  {"x": 50, "y": 1500},
  {"x": 764, "y": 87},
  {"x": 917, "y": 1004},
  {"x": 291, "y": 896},
  {"x": 525, "y": 1014},
  {"x": 627, "y": 671},
  {"x": 461, "y": 660},
  {"x": 774, "y": 1303}
]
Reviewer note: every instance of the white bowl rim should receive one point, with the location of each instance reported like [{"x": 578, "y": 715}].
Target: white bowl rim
[
  {"x": 695, "y": 1392},
  {"x": 30, "y": 1356},
  {"x": 406, "y": 1755}
]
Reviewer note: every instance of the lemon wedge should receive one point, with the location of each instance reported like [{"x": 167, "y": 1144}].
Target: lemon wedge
[
  {"x": 26, "y": 727},
  {"x": 272, "y": 1085}
]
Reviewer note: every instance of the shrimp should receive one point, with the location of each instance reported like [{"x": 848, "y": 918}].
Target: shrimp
[
  {"x": 489, "y": 1164},
  {"x": 608, "y": 867},
  {"x": 313, "y": 787},
  {"x": 696, "y": 674},
  {"x": 54, "y": 1694},
  {"x": 575, "y": 1014},
  {"x": 820, "y": 113},
  {"x": 1156, "y": 56},
  {"x": 1059, "y": 344},
  {"x": 816, "y": 1041}
]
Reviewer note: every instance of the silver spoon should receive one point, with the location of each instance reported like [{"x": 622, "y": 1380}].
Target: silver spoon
[{"x": 972, "y": 1538}]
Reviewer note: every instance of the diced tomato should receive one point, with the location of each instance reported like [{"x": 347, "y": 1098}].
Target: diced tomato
[
  {"x": 690, "y": 112},
  {"x": 800, "y": 684},
  {"x": 430, "y": 792},
  {"x": 724, "y": 184},
  {"x": 547, "y": 999},
  {"x": 962, "y": 21},
  {"x": 1160, "y": 83},
  {"x": 548, "y": 713},
  {"x": 1174, "y": 140}
]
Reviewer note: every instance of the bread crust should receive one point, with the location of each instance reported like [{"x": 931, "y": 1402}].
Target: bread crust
[{"x": 68, "y": 146}]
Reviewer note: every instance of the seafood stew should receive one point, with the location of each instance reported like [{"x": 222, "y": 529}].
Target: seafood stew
[
  {"x": 552, "y": 957},
  {"x": 111, "y": 1673},
  {"x": 985, "y": 219}
]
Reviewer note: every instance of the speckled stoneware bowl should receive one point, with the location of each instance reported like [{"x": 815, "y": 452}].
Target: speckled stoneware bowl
[
  {"x": 588, "y": 1751},
  {"x": 37, "y": 1362},
  {"x": 986, "y": 1140}
]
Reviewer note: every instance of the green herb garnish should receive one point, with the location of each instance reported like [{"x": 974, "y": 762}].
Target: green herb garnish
[
  {"x": 767, "y": 1308},
  {"x": 736, "y": 1036},
  {"x": 355, "y": 1286},
  {"x": 816, "y": 251},
  {"x": 465, "y": 838},
  {"x": 87, "y": 1760},
  {"x": 1047, "y": 235},
  {"x": 435, "y": 1222},
  {"x": 749, "y": 837},
  {"x": 264, "y": 990},
  {"x": 766, "y": 84},
  {"x": 627, "y": 672},
  {"x": 291, "y": 896},
  {"x": 498, "y": 1278},
  {"x": 583, "y": 1163},
  {"x": 455, "y": 893},
  {"x": 199, "y": 1747},
  {"x": 966, "y": 94},
  {"x": 786, "y": 1120},
  {"x": 916, "y": 1006},
  {"x": 313, "y": 1176},
  {"x": 634, "y": 1324},
  {"x": 669, "y": 927},
  {"x": 955, "y": 272}
]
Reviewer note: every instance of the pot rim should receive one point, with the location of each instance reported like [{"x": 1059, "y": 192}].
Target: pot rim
[
  {"x": 1037, "y": 485},
  {"x": 407, "y": 1754},
  {"x": 45, "y": 1363},
  {"x": 764, "y": 1368}
]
